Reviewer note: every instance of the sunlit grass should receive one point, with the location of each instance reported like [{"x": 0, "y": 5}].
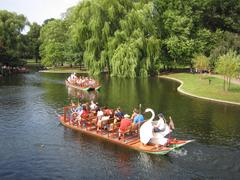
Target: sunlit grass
[
  {"x": 199, "y": 85},
  {"x": 65, "y": 69}
]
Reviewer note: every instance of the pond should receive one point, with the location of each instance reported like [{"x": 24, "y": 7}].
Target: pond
[{"x": 35, "y": 146}]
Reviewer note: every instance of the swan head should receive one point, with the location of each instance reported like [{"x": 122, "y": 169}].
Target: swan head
[{"x": 150, "y": 110}]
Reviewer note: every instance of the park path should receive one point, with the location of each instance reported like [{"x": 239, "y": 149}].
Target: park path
[{"x": 233, "y": 80}]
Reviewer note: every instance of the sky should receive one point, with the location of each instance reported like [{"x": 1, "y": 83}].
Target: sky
[{"x": 38, "y": 10}]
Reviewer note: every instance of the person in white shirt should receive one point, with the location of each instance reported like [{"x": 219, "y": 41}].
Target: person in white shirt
[{"x": 93, "y": 106}]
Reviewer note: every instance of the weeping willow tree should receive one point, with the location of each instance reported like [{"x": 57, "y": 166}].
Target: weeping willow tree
[
  {"x": 134, "y": 49},
  {"x": 115, "y": 35},
  {"x": 93, "y": 23}
]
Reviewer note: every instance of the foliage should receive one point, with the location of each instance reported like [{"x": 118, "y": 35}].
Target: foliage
[
  {"x": 180, "y": 26},
  {"x": 93, "y": 24},
  {"x": 201, "y": 62},
  {"x": 223, "y": 15},
  {"x": 228, "y": 65},
  {"x": 11, "y": 39},
  {"x": 127, "y": 38},
  {"x": 135, "y": 47},
  {"x": 53, "y": 38},
  {"x": 226, "y": 41},
  {"x": 33, "y": 41}
]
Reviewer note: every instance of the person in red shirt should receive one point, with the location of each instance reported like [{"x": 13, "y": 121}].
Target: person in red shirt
[
  {"x": 124, "y": 125},
  {"x": 84, "y": 115},
  {"x": 107, "y": 111}
]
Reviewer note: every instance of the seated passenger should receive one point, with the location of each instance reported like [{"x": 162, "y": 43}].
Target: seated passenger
[
  {"x": 160, "y": 126},
  {"x": 93, "y": 106},
  {"x": 118, "y": 114},
  {"x": 134, "y": 113},
  {"x": 124, "y": 125},
  {"x": 85, "y": 112},
  {"x": 103, "y": 120},
  {"x": 79, "y": 108},
  {"x": 107, "y": 111},
  {"x": 82, "y": 115},
  {"x": 138, "y": 119}
]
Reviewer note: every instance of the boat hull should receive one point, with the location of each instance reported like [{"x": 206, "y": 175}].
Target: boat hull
[
  {"x": 132, "y": 142},
  {"x": 83, "y": 88}
]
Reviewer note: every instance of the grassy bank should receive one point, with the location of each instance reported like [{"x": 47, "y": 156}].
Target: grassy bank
[
  {"x": 65, "y": 69},
  {"x": 199, "y": 85}
]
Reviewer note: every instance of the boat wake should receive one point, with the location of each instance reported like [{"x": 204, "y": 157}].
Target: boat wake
[{"x": 179, "y": 152}]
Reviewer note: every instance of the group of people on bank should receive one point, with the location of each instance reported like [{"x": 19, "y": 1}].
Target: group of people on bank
[
  {"x": 81, "y": 81},
  {"x": 107, "y": 119}
]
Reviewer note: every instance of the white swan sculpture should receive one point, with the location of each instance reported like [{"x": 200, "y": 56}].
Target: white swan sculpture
[{"x": 146, "y": 129}]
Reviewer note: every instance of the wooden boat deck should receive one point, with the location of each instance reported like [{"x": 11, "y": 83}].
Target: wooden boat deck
[{"x": 130, "y": 141}]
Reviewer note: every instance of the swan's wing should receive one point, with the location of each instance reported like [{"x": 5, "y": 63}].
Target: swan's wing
[{"x": 146, "y": 132}]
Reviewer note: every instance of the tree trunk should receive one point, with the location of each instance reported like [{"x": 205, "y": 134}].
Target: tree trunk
[
  {"x": 229, "y": 83},
  {"x": 224, "y": 82}
]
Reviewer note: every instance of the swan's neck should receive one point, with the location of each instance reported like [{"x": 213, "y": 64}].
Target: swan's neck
[{"x": 153, "y": 114}]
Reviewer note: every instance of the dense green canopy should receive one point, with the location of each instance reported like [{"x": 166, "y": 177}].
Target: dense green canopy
[
  {"x": 14, "y": 45},
  {"x": 127, "y": 38},
  {"x": 11, "y": 39},
  {"x": 137, "y": 38}
]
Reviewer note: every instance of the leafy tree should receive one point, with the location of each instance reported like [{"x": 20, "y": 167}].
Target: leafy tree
[
  {"x": 201, "y": 62},
  {"x": 228, "y": 65},
  {"x": 176, "y": 27},
  {"x": 47, "y": 21},
  {"x": 224, "y": 15},
  {"x": 135, "y": 38},
  {"x": 226, "y": 41},
  {"x": 11, "y": 26},
  {"x": 134, "y": 49},
  {"x": 182, "y": 28},
  {"x": 93, "y": 23},
  {"x": 33, "y": 41},
  {"x": 53, "y": 38}
]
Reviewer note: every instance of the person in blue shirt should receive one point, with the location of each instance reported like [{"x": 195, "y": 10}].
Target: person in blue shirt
[
  {"x": 118, "y": 113},
  {"x": 79, "y": 108},
  {"x": 138, "y": 119}
]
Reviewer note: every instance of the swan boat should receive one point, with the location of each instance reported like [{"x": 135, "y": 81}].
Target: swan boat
[
  {"x": 132, "y": 141},
  {"x": 84, "y": 88}
]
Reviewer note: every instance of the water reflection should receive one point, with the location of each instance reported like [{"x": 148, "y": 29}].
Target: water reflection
[{"x": 82, "y": 95}]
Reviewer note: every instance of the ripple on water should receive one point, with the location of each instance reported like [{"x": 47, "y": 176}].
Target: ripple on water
[{"x": 33, "y": 144}]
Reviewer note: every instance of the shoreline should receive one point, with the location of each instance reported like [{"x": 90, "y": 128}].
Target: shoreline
[
  {"x": 196, "y": 96},
  {"x": 63, "y": 72},
  {"x": 179, "y": 89}
]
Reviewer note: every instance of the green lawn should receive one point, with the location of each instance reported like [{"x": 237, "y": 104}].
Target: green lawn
[
  {"x": 31, "y": 61},
  {"x": 199, "y": 85},
  {"x": 65, "y": 69}
]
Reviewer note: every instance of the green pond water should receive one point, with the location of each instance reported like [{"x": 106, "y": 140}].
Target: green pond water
[{"x": 35, "y": 146}]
